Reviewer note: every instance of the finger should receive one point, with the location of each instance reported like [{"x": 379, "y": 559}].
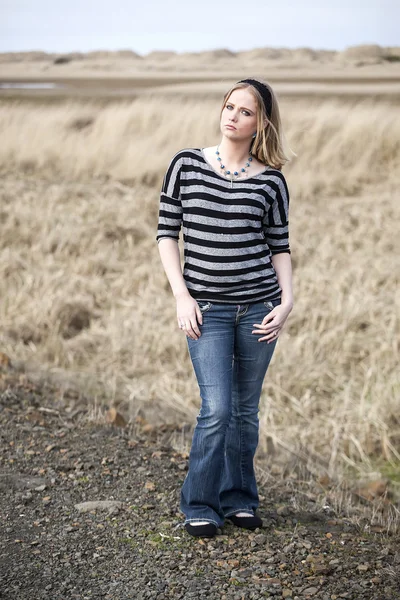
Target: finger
[
  {"x": 267, "y": 325},
  {"x": 263, "y": 330},
  {"x": 269, "y": 317},
  {"x": 269, "y": 338},
  {"x": 199, "y": 315},
  {"x": 192, "y": 332},
  {"x": 185, "y": 324},
  {"x": 262, "y": 325},
  {"x": 184, "y": 327},
  {"x": 195, "y": 328},
  {"x": 264, "y": 322}
]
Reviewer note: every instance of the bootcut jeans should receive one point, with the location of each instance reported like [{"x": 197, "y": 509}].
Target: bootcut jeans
[{"x": 230, "y": 365}]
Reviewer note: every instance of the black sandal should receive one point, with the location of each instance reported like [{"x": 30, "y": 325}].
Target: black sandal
[
  {"x": 250, "y": 522},
  {"x": 208, "y": 530}
]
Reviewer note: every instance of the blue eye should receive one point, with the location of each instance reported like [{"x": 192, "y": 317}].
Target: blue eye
[{"x": 245, "y": 112}]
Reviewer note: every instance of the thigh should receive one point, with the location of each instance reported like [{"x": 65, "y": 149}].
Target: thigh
[
  {"x": 212, "y": 353},
  {"x": 253, "y": 357}
]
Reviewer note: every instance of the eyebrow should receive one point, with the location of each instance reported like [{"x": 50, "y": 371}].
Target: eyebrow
[{"x": 249, "y": 109}]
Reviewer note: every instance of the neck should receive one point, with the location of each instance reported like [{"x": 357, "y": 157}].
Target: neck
[{"x": 234, "y": 153}]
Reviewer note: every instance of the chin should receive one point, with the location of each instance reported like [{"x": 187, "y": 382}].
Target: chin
[{"x": 231, "y": 132}]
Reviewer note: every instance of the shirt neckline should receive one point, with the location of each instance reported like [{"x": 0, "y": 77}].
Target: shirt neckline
[{"x": 225, "y": 178}]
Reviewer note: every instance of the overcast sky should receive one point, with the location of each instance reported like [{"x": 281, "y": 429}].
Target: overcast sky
[{"x": 143, "y": 26}]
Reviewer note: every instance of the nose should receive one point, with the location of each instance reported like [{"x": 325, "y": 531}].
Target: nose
[{"x": 233, "y": 116}]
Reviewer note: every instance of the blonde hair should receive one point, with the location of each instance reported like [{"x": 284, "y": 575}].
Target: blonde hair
[{"x": 268, "y": 145}]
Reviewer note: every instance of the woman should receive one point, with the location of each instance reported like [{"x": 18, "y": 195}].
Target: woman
[{"x": 233, "y": 297}]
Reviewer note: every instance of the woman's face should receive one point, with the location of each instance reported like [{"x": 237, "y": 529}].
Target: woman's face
[{"x": 239, "y": 115}]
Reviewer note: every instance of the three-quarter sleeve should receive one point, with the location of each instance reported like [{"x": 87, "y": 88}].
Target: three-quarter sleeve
[
  {"x": 170, "y": 212},
  {"x": 276, "y": 219}
]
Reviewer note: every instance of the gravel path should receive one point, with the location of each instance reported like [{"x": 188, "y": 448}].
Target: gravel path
[{"x": 129, "y": 543}]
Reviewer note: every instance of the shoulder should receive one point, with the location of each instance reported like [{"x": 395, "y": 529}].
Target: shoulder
[
  {"x": 181, "y": 161},
  {"x": 275, "y": 175},
  {"x": 186, "y": 156},
  {"x": 275, "y": 179}
]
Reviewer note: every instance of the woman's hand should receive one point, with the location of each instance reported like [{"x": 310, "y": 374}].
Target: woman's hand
[
  {"x": 189, "y": 315},
  {"x": 272, "y": 323}
]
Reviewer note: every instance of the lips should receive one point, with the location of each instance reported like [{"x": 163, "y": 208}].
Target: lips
[{"x": 230, "y": 127}]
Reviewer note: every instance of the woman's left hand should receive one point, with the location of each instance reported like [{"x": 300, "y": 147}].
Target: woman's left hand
[{"x": 272, "y": 323}]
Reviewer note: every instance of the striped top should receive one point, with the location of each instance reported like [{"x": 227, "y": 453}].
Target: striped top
[{"x": 229, "y": 233}]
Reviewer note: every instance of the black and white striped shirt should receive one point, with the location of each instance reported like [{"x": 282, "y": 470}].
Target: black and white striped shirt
[{"x": 229, "y": 233}]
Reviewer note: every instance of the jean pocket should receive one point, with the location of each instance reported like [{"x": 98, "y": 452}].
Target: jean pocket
[
  {"x": 270, "y": 304},
  {"x": 204, "y": 305}
]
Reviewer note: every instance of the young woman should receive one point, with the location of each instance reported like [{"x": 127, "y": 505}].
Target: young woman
[{"x": 233, "y": 297}]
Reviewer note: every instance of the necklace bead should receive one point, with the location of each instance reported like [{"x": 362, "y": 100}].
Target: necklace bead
[{"x": 227, "y": 171}]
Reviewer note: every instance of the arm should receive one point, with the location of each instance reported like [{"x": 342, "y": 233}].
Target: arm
[
  {"x": 170, "y": 220},
  {"x": 276, "y": 231},
  {"x": 283, "y": 266},
  {"x": 187, "y": 309},
  {"x": 170, "y": 258},
  {"x": 273, "y": 323}
]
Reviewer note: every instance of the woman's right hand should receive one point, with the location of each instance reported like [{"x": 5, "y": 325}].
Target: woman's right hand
[{"x": 189, "y": 315}]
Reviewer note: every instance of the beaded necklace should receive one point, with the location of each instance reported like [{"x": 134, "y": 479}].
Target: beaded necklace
[{"x": 227, "y": 171}]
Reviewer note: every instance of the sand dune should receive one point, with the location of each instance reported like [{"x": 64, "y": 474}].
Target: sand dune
[{"x": 372, "y": 53}]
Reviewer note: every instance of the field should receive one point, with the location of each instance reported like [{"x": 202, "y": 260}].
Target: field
[{"x": 84, "y": 295}]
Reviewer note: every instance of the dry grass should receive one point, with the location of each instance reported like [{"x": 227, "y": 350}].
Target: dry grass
[
  {"x": 83, "y": 289},
  {"x": 342, "y": 146}
]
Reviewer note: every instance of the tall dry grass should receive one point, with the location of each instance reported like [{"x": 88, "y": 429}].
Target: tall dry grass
[
  {"x": 82, "y": 287},
  {"x": 342, "y": 146}
]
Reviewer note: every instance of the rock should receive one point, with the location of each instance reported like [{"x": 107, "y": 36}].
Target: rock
[
  {"x": 98, "y": 505},
  {"x": 40, "y": 488},
  {"x": 372, "y": 489},
  {"x": 260, "y": 539},
  {"x": 115, "y": 418},
  {"x": 245, "y": 572},
  {"x": 283, "y": 511},
  {"x": 72, "y": 318},
  {"x": 17, "y": 481},
  {"x": 5, "y": 361},
  {"x": 28, "y": 497},
  {"x": 311, "y": 591}
]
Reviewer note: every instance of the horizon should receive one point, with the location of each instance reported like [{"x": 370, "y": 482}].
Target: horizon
[
  {"x": 180, "y": 52},
  {"x": 103, "y": 25}
]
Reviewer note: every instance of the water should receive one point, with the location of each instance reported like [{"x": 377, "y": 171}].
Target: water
[{"x": 29, "y": 86}]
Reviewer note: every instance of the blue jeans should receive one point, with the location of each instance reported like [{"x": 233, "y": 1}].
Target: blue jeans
[{"x": 230, "y": 365}]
